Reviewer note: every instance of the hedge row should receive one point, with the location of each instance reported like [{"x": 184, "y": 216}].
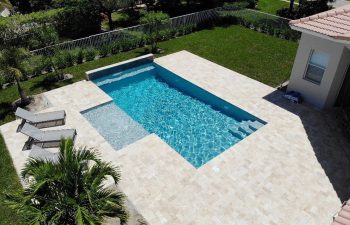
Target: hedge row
[
  {"x": 269, "y": 24},
  {"x": 24, "y": 30},
  {"x": 47, "y": 16},
  {"x": 41, "y": 64}
]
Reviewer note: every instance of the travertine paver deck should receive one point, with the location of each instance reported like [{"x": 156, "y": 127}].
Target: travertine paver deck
[{"x": 292, "y": 171}]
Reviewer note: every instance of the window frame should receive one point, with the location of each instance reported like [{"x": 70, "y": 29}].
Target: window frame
[{"x": 314, "y": 65}]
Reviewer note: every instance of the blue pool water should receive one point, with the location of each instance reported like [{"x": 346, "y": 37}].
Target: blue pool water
[{"x": 197, "y": 124}]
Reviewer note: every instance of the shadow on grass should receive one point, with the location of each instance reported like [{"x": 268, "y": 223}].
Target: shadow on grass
[
  {"x": 5, "y": 110},
  {"x": 328, "y": 141},
  {"x": 49, "y": 83}
]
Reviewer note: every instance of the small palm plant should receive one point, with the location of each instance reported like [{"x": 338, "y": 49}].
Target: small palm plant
[
  {"x": 69, "y": 191},
  {"x": 11, "y": 63},
  {"x": 153, "y": 21}
]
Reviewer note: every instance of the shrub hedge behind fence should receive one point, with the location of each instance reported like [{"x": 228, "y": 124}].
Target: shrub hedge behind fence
[
  {"x": 70, "y": 53},
  {"x": 135, "y": 33},
  {"x": 261, "y": 22}
]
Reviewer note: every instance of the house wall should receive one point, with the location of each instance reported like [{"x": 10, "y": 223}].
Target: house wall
[
  {"x": 321, "y": 95},
  {"x": 339, "y": 78}
]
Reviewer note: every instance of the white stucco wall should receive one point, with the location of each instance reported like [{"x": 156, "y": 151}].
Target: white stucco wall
[{"x": 321, "y": 95}]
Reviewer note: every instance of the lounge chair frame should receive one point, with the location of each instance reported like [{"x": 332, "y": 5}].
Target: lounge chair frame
[
  {"x": 42, "y": 124},
  {"x": 53, "y": 143}
]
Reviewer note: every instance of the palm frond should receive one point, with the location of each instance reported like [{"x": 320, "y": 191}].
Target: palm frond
[{"x": 69, "y": 191}]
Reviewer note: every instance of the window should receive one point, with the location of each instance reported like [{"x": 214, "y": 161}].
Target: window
[{"x": 317, "y": 65}]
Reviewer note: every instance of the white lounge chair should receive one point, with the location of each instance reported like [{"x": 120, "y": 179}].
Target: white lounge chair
[
  {"x": 46, "y": 139},
  {"x": 41, "y": 120}
]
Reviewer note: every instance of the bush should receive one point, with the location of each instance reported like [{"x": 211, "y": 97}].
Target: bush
[
  {"x": 80, "y": 55},
  {"x": 59, "y": 60},
  {"x": 47, "y": 65},
  {"x": 40, "y": 37},
  {"x": 235, "y": 5},
  {"x": 15, "y": 32},
  {"x": 90, "y": 54},
  {"x": 261, "y": 22},
  {"x": 104, "y": 50},
  {"x": 306, "y": 8},
  {"x": 284, "y": 12},
  {"x": 78, "y": 20},
  {"x": 69, "y": 58},
  {"x": 114, "y": 48},
  {"x": 34, "y": 66},
  {"x": 154, "y": 21}
]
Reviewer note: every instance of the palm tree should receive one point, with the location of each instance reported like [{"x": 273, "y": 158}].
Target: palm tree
[
  {"x": 11, "y": 63},
  {"x": 291, "y": 6},
  {"x": 154, "y": 20},
  {"x": 69, "y": 191}
]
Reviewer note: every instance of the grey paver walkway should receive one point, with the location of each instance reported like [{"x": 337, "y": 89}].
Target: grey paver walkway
[{"x": 291, "y": 171}]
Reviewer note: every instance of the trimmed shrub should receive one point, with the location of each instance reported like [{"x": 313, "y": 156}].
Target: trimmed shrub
[
  {"x": 69, "y": 58},
  {"x": 104, "y": 50},
  {"x": 90, "y": 54},
  {"x": 235, "y": 5},
  {"x": 34, "y": 66},
  {"x": 268, "y": 24},
  {"x": 80, "y": 55},
  {"x": 59, "y": 60},
  {"x": 115, "y": 47}
]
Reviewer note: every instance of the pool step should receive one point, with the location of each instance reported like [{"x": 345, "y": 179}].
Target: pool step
[
  {"x": 234, "y": 131},
  {"x": 244, "y": 127},
  {"x": 255, "y": 125}
]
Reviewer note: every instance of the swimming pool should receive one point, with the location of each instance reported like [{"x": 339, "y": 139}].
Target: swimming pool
[{"x": 195, "y": 123}]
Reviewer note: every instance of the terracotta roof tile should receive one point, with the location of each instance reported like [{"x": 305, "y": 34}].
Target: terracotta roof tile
[{"x": 334, "y": 23}]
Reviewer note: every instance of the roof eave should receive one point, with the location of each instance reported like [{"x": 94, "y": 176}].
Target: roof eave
[{"x": 338, "y": 39}]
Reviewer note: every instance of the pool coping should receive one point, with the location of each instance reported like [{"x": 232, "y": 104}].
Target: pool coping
[
  {"x": 96, "y": 73},
  {"x": 140, "y": 61},
  {"x": 244, "y": 184}
]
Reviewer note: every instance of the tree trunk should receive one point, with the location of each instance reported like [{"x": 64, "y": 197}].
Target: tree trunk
[
  {"x": 291, "y": 6},
  {"x": 24, "y": 98},
  {"x": 110, "y": 21}
]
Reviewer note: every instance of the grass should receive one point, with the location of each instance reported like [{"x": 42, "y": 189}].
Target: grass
[
  {"x": 118, "y": 18},
  {"x": 256, "y": 55},
  {"x": 271, "y": 6},
  {"x": 259, "y": 56},
  {"x": 8, "y": 181}
]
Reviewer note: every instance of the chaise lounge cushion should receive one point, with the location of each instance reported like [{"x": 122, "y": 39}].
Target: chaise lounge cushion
[
  {"x": 40, "y": 117},
  {"x": 46, "y": 136}
]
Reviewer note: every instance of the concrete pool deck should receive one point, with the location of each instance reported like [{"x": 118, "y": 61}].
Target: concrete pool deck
[{"x": 294, "y": 170}]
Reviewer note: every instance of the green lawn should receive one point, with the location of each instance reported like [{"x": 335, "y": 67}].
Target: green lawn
[
  {"x": 259, "y": 56},
  {"x": 271, "y": 6},
  {"x": 8, "y": 181}
]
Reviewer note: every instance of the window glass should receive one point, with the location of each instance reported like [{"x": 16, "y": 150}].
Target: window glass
[{"x": 316, "y": 67}]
